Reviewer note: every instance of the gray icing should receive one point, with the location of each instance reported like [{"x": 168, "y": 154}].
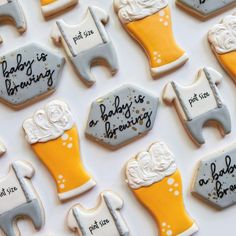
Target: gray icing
[
  {"x": 19, "y": 199},
  {"x": 28, "y": 73},
  {"x": 122, "y": 115},
  {"x": 13, "y": 11},
  {"x": 216, "y": 177},
  {"x": 206, "y": 7},
  {"x": 88, "y": 43}
]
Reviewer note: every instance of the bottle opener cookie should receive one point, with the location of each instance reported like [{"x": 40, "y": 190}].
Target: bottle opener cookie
[
  {"x": 199, "y": 103},
  {"x": 205, "y": 9},
  {"x": 18, "y": 199},
  {"x": 121, "y": 116},
  {"x": 12, "y": 10},
  {"x": 28, "y": 74},
  {"x": 156, "y": 182},
  {"x": 103, "y": 220},
  {"x": 222, "y": 38},
  {"x": 149, "y": 23},
  {"x": 52, "y": 7},
  {"x": 54, "y": 138},
  {"x": 87, "y": 43},
  {"x": 215, "y": 178}
]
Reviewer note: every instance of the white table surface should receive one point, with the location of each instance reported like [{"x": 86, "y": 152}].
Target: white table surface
[{"x": 107, "y": 166}]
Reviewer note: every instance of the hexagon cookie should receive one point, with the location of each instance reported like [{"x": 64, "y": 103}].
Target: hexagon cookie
[
  {"x": 27, "y": 74},
  {"x": 205, "y": 9},
  {"x": 215, "y": 179},
  {"x": 122, "y": 115}
]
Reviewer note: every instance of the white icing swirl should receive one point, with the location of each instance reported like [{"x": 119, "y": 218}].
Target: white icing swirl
[
  {"x": 48, "y": 123},
  {"x": 223, "y": 36},
  {"x": 150, "y": 167},
  {"x": 131, "y": 10}
]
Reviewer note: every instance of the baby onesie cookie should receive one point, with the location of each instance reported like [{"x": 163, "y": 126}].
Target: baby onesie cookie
[
  {"x": 18, "y": 199},
  {"x": 156, "y": 182},
  {"x": 28, "y": 74},
  {"x": 205, "y": 9},
  {"x": 2, "y": 148},
  {"x": 53, "y": 136},
  {"x": 51, "y": 7},
  {"x": 87, "y": 43},
  {"x": 149, "y": 23},
  {"x": 121, "y": 116},
  {"x": 215, "y": 178},
  {"x": 199, "y": 103},
  {"x": 12, "y": 10},
  {"x": 103, "y": 220},
  {"x": 222, "y": 38}
]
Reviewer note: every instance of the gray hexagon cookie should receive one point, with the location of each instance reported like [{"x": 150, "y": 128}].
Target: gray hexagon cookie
[
  {"x": 205, "y": 8},
  {"x": 215, "y": 179},
  {"x": 122, "y": 115},
  {"x": 27, "y": 74}
]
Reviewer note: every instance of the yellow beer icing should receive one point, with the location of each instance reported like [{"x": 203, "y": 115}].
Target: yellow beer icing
[{"x": 46, "y": 2}]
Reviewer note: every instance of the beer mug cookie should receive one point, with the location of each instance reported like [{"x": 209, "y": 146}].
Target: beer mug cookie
[
  {"x": 18, "y": 199},
  {"x": 12, "y": 10},
  {"x": 51, "y": 7},
  {"x": 103, "y": 220},
  {"x": 53, "y": 136},
  {"x": 222, "y": 38},
  {"x": 149, "y": 23},
  {"x": 156, "y": 182},
  {"x": 199, "y": 103}
]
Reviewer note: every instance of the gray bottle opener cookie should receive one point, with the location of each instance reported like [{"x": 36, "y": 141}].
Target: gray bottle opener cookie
[
  {"x": 11, "y": 9},
  {"x": 215, "y": 178},
  {"x": 199, "y": 103},
  {"x": 19, "y": 199},
  {"x": 87, "y": 43},
  {"x": 103, "y": 220},
  {"x": 122, "y": 115},
  {"x": 28, "y": 74}
]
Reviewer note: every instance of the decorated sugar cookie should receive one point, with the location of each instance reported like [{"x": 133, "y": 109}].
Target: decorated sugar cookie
[
  {"x": 51, "y": 7},
  {"x": 149, "y": 23},
  {"x": 156, "y": 182},
  {"x": 103, "y": 220},
  {"x": 2, "y": 148},
  {"x": 199, "y": 103},
  {"x": 54, "y": 138},
  {"x": 12, "y": 10},
  {"x": 205, "y": 9},
  {"x": 28, "y": 74},
  {"x": 222, "y": 38},
  {"x": 18, "y": 199},
  {"x": 87, "y": 43},
  {"x": 121, "y": 116},
  {"x": 215, "y": 178}
]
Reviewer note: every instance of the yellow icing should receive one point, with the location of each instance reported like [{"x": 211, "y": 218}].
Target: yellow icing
[
  {"x": 165, "y": 202},
  {"x": 62, "y": 158},
  {"x": 155, "y": 34},
  {"x": 46, "y": 2}
]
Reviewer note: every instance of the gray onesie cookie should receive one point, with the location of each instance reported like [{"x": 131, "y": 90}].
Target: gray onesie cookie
[
  {"x": 215, "y": 179},
  {"x": 28, "y": 74},
  {"x": 122, "y": 115},
  {"x": 199, "y": 103},
  {"x": 18, "y": 199},
  {"x": 87, "y": 43},
  {"x": 103, "y": 220},
  {"x": 12, "y": 10},
  {"x": 206, "y": 8}
]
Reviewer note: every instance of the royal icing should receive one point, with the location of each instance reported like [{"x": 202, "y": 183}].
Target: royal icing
[
  {"x": 151, "y": 166},
  {"x": 129, "y": 11},
  {"x": 103, "y": 220},
  {"x": 122, "y": 115}
]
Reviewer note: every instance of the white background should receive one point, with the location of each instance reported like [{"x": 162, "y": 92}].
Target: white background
[{"x": 107, "y": 166}]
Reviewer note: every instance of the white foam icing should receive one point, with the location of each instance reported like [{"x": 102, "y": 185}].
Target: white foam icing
[
  {"x": 151, "y": 166},
  {"x": 48, "y": 123},
  {"x": 223, "y": 36},
  {"x": 131, "y": 10}
]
